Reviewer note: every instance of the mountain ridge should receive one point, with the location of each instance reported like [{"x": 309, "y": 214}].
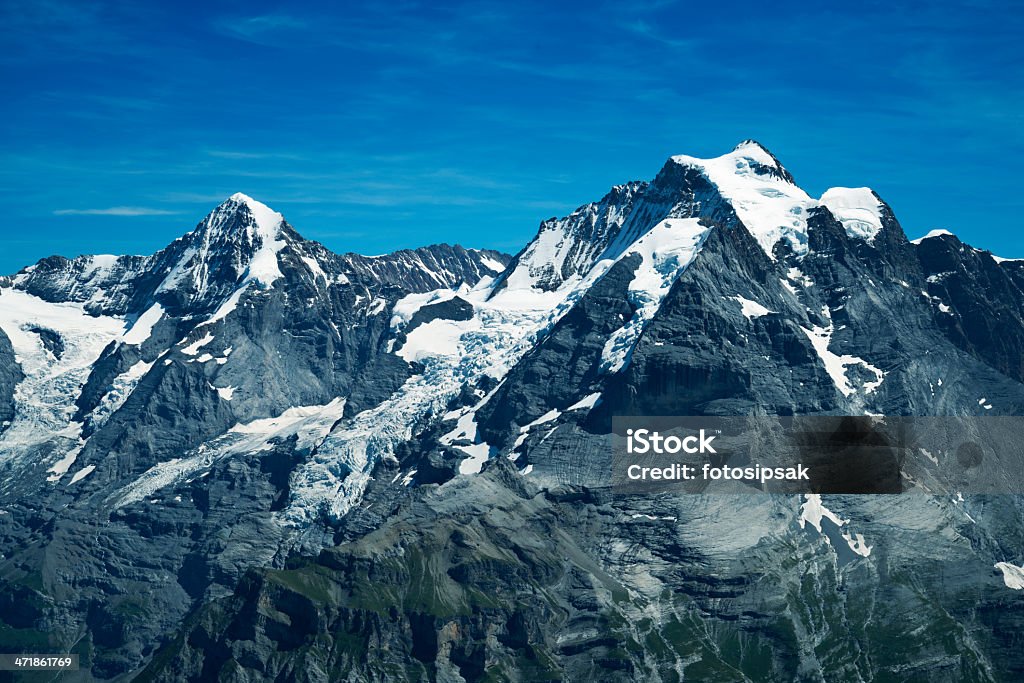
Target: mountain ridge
[{"x": 217, "y": 436}]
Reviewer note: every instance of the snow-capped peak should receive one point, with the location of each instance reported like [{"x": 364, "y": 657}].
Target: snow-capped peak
[
  {"x": 267, "y": 221},
  {"x": 751, "y": 144},
  {"x": 747, "y": 158},
  {"x": 934, "y": 233},
  {"x": 240, "y": 238},
  {"x": 858, "y": 208},
  {"x": 761, "y": 191},
  {"x": 770, "y": 163}
]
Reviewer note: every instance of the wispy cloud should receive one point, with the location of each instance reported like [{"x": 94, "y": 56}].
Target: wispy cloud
[
  {"x": 258, "y": 29},
  {"x": 231, "y": 154},
  {"x": 646, "y": 30},
  {"x": 116, "y": 211}
]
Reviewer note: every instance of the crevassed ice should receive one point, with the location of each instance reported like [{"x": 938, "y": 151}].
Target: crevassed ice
[
  {"x": 505, "y": 325},
  {"x": 857, "y": 208},
  {"x": 507, "y": 321},
  {"x": 44, "y": 399}
]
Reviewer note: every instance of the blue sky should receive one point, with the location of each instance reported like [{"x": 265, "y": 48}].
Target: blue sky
[{"x": 385, "y": 125}]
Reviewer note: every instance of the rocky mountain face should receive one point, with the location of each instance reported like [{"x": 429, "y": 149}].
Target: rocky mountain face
[
  {"x": 117, "y": 371},
  {"x": 246, "y": 457}
]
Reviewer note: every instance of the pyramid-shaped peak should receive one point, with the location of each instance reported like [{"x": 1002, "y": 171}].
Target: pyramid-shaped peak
[
  {"x": 750, "y": 148},
  {"x": 240, "y": 238},
  {"x": 750, "y": 143},
  {"x": 267, "y": 220}
]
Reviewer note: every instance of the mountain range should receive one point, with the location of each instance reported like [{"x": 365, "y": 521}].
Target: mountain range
[{"x": 247, "y": 457}]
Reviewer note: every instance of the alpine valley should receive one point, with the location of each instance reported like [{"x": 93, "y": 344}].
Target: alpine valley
[{"x": 247, "y": 458}]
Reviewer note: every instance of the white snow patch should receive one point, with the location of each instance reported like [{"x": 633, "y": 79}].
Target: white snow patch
[
  {"x": 493, "y": 264},
  {"x": 1013, "y": 576},
  {"x": 143, "y": 327},
  {"x": 435, "y": 338},
  {"x": 193, "y": 348},
  {"x": 750, "y": 309},
  {"x": 61, "y": 467},
  {"x": 813, "y": 511},
  {"x": 82, "y": 474},
  {"x": 930, "y": 235},
  {"x": 797, "y": 275},
  {"x": 310, "y": 424},
  {"x": 230, "y": 304},
  {"x": 465, "y": 429},
  {"x": 264, "y": 266},
  {"x": 857, "y": 544},
  {"x": 524, "y": 431},
  {"x": 207, "y": 357},
  {"x": 226, "y": 393},
  {"x": 666, "y": 250},
  {"x": 407, "y": 306},
  {"x": 835, "y": 365},
  {"x": 100, "y": 264},
  {"x": 547, "y": 434},
  {"x": 315, "y": 270},
  {"x": 478, "y": 455},
  {"x": 588, "y": 401},
  {"x": 546, "y": 417}
]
